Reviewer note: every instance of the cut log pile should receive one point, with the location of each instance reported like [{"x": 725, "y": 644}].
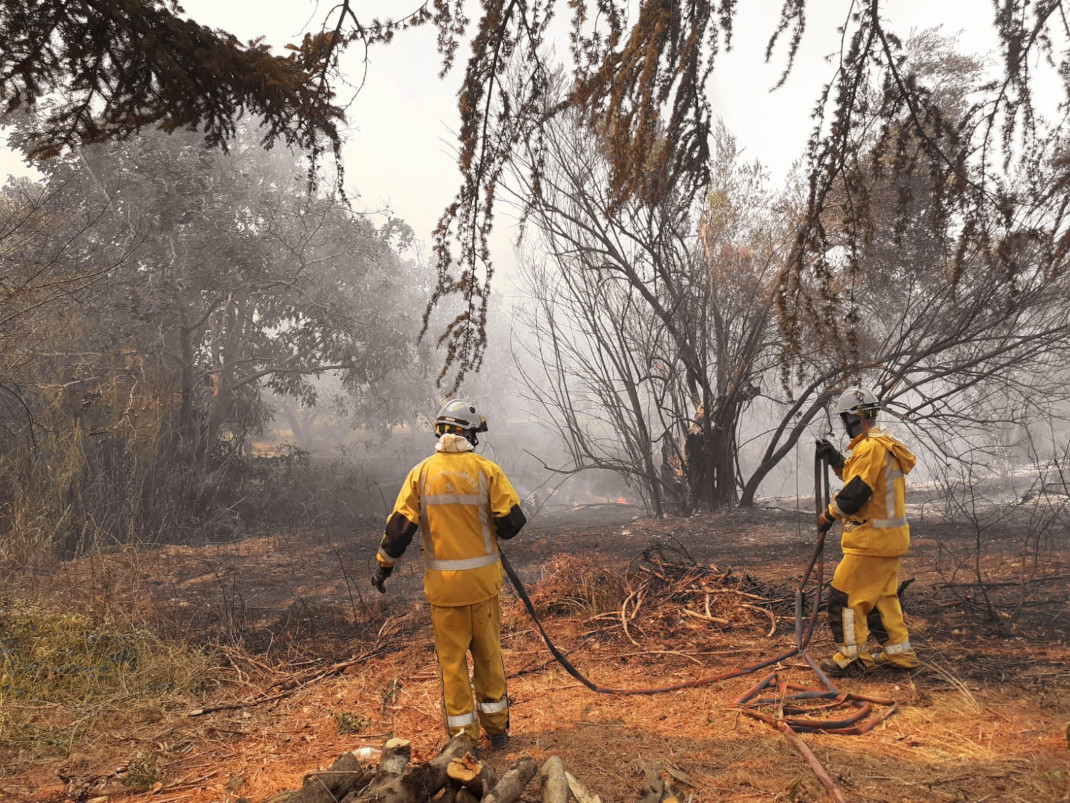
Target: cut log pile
[{"x": 455, "y": 775}]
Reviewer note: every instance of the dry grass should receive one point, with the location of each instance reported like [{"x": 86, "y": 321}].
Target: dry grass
[
  {"x": 72, "y": 686},
  {"x": 580, "y": 587}
]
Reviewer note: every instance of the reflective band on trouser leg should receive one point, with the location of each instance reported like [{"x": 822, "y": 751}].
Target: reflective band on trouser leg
[
  {"x": 488, "y": 668},
  {"x": 459, "y": 721},
  {"x": 850, "y": 643},
  {"x": 841, "y": 622},
  {"x": 453, "y": 636},
  {"x": 894, "y": 649},
  {"x": 901, "y": 656}
]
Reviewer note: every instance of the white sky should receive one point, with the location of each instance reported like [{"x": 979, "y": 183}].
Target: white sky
[{"x": 399, "y": 143}]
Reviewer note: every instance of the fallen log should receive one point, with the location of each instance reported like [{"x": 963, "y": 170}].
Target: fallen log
[
  {"x": 512, "y": 784},
  {"x": 554, "y": 782},
  {"x": 436, "y": 768},
  {"x": 464, "y": 770},
  {"x": 468, "y": 772},
  {"x": 328, "y": 786}
]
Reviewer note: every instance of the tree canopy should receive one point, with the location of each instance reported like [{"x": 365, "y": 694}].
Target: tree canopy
[
  {"x": 151, "y": 292},
  {"x": 639, "y": 75},
  {"x": 107, "y": 68}
]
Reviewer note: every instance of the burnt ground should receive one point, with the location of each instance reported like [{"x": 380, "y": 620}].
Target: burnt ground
[{"x": 313, "y": 663}]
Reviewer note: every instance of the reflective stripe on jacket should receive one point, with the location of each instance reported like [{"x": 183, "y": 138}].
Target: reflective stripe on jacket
[
  {"x": 455, "y": 496},
  {"x": 880, "y": 527}
]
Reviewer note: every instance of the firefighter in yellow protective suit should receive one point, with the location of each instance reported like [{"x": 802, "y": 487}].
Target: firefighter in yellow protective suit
[
  {"x": 872, "y": 507},
  {"x": 463, "y": 503}
]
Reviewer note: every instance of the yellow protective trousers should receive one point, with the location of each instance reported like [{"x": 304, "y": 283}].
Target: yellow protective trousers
[
  {"x": 475, "y": 628},
  {"x": 863, "y": 600}
]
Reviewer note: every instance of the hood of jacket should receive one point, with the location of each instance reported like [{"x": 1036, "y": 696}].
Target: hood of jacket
[{"x": 903, "y": 455}]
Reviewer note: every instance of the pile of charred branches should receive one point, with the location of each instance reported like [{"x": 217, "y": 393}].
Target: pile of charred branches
[
  {"x": 455, "y": 775},
  {"x": 706, "y": 594},
  {"x": 663, "y": 592}
]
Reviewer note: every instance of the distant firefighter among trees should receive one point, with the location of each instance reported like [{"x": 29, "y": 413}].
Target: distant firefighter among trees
[{"x": 872, "y": 507}]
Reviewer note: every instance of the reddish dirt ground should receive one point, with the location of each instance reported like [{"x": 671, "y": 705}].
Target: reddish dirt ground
[{"x": 310, "y": 646}]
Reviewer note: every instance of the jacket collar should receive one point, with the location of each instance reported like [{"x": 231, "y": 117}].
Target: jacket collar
[{"x": 867, "y": 434}]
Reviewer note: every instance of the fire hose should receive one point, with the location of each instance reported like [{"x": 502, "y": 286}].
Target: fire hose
[{"x": 794, "y": 703}]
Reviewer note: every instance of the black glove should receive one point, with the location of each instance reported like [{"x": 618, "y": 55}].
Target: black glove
[
  {"x": 379, "y": 578},
  {"x": 829, "y": 453},
  {"x": 824, "y": 522}
]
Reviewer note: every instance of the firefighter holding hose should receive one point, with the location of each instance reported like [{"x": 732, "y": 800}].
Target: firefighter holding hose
[
  {"x": 872, "y": 508},
  {"x": 464, "y": 503}
]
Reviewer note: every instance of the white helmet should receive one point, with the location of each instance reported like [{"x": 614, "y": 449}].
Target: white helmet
[
  {"x": 858, "y": 409},
  {"x": 460, "y": 414},
  {"x": 858, "y": 400}
]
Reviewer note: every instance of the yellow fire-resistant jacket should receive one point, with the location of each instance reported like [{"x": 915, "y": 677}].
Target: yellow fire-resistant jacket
[
  {"x": 463, "y": 502},
  {"x": 872, "y": 503}
]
